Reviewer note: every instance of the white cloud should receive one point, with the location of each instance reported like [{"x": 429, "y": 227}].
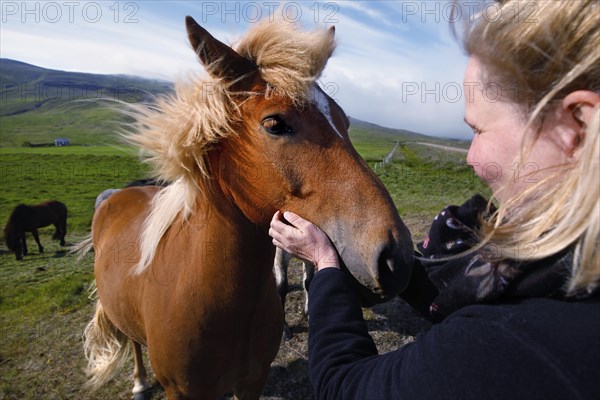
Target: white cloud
[
  {"x": 145, "y": 48},
  {"x": 394, "y": 80},
  {"x": 363, "y": 8}
]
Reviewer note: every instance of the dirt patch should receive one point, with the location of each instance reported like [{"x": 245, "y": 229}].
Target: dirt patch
[{"x": 444, "y": 147}]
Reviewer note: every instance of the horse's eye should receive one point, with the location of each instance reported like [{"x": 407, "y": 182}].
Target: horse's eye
[{"x": 276, "y": 126}]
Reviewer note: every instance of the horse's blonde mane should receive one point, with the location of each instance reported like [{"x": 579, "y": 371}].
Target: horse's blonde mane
[{"x": 178, "y": 130}]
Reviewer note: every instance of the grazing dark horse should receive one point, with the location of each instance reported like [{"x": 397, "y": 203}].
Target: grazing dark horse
[
  {"x": 187, "y": 269},
  {"x": 26, "y": 218},
  {"x": 280, "y": 269}
]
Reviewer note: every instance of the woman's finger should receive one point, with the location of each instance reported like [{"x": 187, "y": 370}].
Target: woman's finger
[
  {"x": 281, "y": 227},
  {"x": 275, "y": 234},
  {"x": 296, "y": 220},
  {"x": 279, "y": 244},
  {"x": 283, "y": 232}
]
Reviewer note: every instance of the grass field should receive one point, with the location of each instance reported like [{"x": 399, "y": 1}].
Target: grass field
[{"x": 44, "y": 303}]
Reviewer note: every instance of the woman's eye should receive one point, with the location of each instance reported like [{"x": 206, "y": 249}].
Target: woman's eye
[
  {"x": 476, "y": 130},
  {"x": 276, "y": 126}
]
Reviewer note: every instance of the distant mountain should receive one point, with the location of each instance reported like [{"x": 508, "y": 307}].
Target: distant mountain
[
  {"x": 38, "y": 105},
  {"x": 25, "y": 87},
  {"x": 359, "y": 127},
  {"x": 360, "y": 130}
]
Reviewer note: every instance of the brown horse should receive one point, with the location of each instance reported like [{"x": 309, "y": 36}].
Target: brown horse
[
  {"x": 26, "y": 218},
  {"x": 186, "y": 270}
]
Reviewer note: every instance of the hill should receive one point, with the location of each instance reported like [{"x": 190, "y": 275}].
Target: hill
[
  {"x": 26, "y": 87},
  {"x": 39, "y": 105},
  {"x": 361, "y": 127}
]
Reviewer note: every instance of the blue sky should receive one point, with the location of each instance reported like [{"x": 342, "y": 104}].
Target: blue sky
[{"x": 396, "y": 64}]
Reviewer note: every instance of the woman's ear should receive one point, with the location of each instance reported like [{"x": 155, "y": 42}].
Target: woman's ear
[{"x": 578, "y": 109}]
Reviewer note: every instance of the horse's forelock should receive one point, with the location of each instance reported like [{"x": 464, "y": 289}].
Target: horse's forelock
[{"x": 290, "y": 60}]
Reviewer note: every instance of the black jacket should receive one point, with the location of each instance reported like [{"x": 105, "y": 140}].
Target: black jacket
[{"x": 535, "y": 348}]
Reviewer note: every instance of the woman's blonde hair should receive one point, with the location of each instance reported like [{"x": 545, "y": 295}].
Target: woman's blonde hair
[{"x": 539, "y": 52}]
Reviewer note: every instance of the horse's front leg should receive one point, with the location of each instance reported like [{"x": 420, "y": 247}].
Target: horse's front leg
[
  {"x": 60, "y": 232},
  {"x": 18, "y": 246},
  {"x": 63, "y": 233},
  {"x": 280, "y": 268},
  {"x": 140, "y": 377},
  {"x": 24, "y": 244},
  {"x": 309, "y": 273},
  {"x": 37, "y": 240}
]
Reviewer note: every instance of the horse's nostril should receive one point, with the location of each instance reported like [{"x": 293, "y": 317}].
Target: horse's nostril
[
  {"x": 386, "y": 264},
  {"x": 393, "y": 270}
]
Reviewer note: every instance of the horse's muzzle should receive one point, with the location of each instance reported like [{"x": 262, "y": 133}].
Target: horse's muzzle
[{"x": 385, "y": 277}]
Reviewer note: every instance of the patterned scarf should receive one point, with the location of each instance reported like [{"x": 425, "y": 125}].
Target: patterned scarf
[{"x": 473, "y": 278}]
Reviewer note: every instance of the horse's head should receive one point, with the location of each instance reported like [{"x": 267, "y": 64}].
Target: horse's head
[{"x": 291, "y": 151}]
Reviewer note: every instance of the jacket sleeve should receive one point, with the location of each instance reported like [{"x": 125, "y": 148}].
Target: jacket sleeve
[{"x": 343, "y": 359}]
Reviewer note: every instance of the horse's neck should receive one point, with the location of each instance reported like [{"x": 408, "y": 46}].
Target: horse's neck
[{"x": 229, "y": 238}]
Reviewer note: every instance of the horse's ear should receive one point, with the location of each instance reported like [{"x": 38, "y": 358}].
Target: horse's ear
[{"x": 220, "y": 60}]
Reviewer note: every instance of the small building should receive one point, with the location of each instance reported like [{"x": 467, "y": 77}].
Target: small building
[{"x": 59, "y": 142}]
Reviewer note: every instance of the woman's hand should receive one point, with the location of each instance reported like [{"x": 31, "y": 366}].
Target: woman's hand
[{"x": 303, "y": 240}]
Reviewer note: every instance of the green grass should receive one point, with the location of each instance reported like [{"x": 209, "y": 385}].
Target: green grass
[
  {"x": 374, "y": 152},
  {"x": 424, "y": 189},
  {"x": 43, "y": 284},
  {"x": 371, "y": 146}
]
